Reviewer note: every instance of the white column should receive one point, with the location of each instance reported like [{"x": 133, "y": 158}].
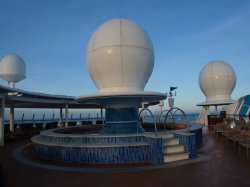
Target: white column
[
  {"x": 11, "y": 84},
  {"x": 161, "y": 104},
  {"x": 205, "y": 114},
  {"x": 2, "y": 106},
  {"x": 66, "y": 114},
  {"x": 12, "y": 111}
]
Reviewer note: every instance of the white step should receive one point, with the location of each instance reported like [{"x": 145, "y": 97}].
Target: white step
[
  {"x": 171, "y": 141},
  {"x": 173, "y": 149},
  {"x": 176, "y": 157},
  {"x": 167, "y": 136}
]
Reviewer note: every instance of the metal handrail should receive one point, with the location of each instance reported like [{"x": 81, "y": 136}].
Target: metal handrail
[
  {"x": 162, "y": 114},
  {"x": 172, "y": 114},
  {"x": 151, "y": 115}
]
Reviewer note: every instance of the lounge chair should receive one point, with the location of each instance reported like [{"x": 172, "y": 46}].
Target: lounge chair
[
  {"x": 221, "y": 127},
  {"x": 232, "y": 131},
  {"x": 245, "y": 142},
  {"x": 237, "y": 137}
]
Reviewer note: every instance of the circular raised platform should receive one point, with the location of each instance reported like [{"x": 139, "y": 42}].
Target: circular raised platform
[{"x": 109, "y": 149}]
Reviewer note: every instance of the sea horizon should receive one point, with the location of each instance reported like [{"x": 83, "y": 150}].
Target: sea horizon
[{"x": 48, "y": 116}]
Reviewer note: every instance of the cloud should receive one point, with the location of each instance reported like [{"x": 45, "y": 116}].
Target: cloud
[{"x": 237, "y": 21}]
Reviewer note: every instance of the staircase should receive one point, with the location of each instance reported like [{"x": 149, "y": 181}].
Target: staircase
[{"x": 172, "y": 149}]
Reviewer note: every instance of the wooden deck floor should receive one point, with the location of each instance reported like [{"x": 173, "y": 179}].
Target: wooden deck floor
[{"x": 224, "y": 167}]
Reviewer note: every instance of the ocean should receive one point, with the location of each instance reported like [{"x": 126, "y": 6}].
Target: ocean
[{"x": 46, "y": 115}]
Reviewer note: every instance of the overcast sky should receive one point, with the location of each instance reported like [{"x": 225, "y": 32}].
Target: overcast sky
[{"x": 51, "y": 36}]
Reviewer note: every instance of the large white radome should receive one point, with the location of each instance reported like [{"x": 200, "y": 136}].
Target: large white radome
[
  {"x": 12, "y": 68},
  {"x": 120, "y": 57},
  {"x": 217, "y": 80}
]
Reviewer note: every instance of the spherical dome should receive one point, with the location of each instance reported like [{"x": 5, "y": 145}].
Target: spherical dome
[
  {"x": 120, "y": 56},
  {"x": 217, "y": 80},
  {"x": 12, "y": 68}
]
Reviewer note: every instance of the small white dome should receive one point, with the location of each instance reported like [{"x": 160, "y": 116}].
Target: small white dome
[
  {"x": 120, "y": 56},
  {"x": 12, "y": 68},
  {"x": 217, "y": 80}
]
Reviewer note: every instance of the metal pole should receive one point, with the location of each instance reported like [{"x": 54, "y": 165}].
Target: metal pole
[
  {"x": 66, "y": 114},
  {"x": 43, "y": 117},
  {"x": 61, "y": 115},
  {"x": 2, "y": 106},
  {"x": 22, "y": 118},
  {"x": 88, "y": 116},
  {"x": 102, "y": 116},
  {"x": 33, "y": 118},
  {"x": 53, "y": 117},
  {"x": 12, "y": 127}
]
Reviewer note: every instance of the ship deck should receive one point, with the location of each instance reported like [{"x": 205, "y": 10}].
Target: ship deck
[{"x": 218, "y": 165}]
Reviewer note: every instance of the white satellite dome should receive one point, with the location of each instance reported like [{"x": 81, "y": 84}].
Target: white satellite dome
[
  {"x": 217, "y": 80},
  {"x": 12, "y": 69},
  {"x": 120, "y": 57}
]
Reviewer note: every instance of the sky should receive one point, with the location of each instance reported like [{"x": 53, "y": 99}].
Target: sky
[{"x": 51, "y": 36}]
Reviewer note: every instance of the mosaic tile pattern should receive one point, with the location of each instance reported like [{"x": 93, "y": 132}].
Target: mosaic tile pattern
[
  {"x": 110, "y": 149},
  {"x": 189, "y": 142},
  {"x": 94, "y": 155}
]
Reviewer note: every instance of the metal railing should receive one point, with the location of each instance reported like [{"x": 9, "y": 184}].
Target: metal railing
[
  {"x": 172, "y": 112},
  {"x": 146, "y": 109}
]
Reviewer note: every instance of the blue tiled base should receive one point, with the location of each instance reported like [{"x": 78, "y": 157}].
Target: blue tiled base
[
  {"x": 121, "y": 121},
  {"x": 95, "y": 155},
  {"x": 198, "y": 137},
  {"x": 130, "y": 128},
  {"x": 189, "y": 142},
  {"x": 109, "y": 149},
  {"x": 99, "y": 149}
]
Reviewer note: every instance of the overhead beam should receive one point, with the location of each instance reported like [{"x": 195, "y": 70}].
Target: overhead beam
[
  {"x": 39, "y": 100},
  {"x": 25, "y": 102}
]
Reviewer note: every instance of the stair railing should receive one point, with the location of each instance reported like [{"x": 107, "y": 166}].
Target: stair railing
[{"x": 146, "y": 109}]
